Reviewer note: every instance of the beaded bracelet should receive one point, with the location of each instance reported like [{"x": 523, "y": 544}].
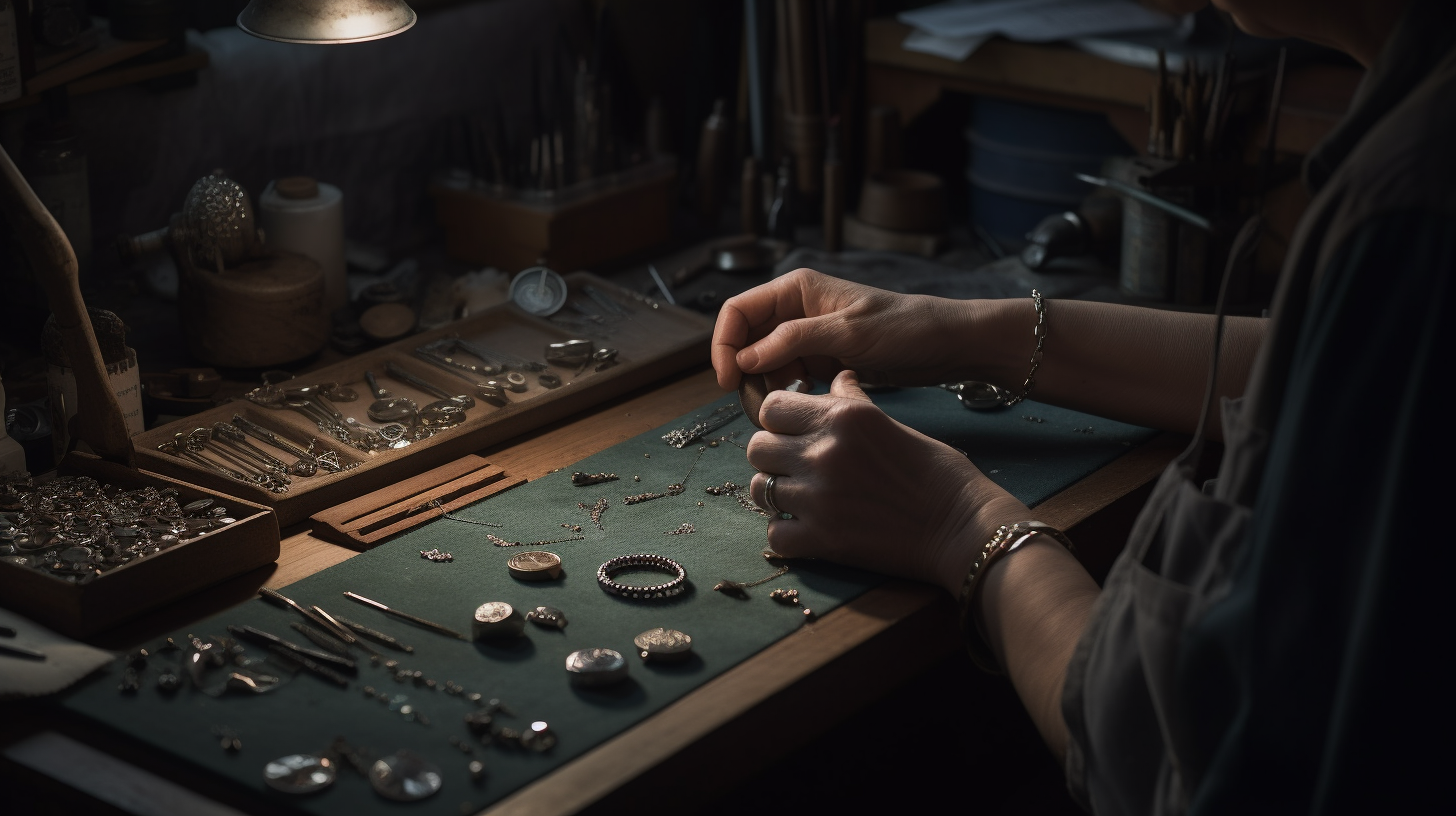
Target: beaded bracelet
[{"x": 656, "y": 562}]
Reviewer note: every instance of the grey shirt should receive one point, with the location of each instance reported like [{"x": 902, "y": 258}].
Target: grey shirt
[{"x": 1271, "y": 646}]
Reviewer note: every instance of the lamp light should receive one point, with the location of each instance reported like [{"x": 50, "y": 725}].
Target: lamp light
[{"x": 325, "y": 22}]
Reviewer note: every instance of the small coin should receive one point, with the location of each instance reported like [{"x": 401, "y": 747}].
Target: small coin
[
  {"x": 536, "y": 565},
  {"x": 666, "y": 645},
  {"x": 197, "y": 506},
  {"x": 752, "y": 390}
]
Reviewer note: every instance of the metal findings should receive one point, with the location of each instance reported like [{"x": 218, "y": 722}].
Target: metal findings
[
  {"x": 535, "y": 565},
  {"x": 671, "y": 589},
  {"x": 501, "y": 542},
  {"x": 790, "y": 597},
  {"x": 682, "y": 437},
  {"x": 299, "y": 773},
  {"x": 77, "y": 529},
  {"x": 596, "y": 667},
  {"x": 663, "y": 645},
  {"x": 405, "y": 777},
  {"x": 581, "y": 479},
  {"x": 436, "y": 556},
  {"x": 682, "y": 529},
  {"x": 547, "y": 616},
  {"x": 497, "y": 619},
  {"x": 596, "y": 510}
]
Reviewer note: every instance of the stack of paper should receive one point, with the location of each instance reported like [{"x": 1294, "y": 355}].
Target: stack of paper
[{"x": 955, "y": 29}]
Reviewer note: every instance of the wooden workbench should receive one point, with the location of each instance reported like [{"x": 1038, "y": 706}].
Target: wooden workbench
[{"x": 713, "y": 737}]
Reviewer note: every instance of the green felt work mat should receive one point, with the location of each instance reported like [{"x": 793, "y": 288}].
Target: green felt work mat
[{"x": 1033, "y": 460}]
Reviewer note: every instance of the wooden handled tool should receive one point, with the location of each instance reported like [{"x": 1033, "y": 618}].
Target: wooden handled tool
[{"x": 99, "y": 422}]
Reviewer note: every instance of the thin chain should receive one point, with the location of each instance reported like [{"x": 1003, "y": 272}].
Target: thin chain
[{"x": 1041, "y": 332}]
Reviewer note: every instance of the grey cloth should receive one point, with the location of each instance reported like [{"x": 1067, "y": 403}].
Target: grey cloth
[
  {"x": 66, "y": 660},
  {"x": 1264, "y": 647}
]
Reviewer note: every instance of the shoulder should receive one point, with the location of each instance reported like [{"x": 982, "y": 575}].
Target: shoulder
[{"x": 1407, "y": 161}]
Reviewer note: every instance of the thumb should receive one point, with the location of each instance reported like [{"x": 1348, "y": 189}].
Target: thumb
[{"x": 846, "y": 385}]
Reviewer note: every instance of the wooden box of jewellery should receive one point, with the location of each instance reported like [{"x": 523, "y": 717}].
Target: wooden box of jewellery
[
  {"x": 582, "y": 225},
  {"x": 327, "y": 436},
  {"x": 101, "y": 543}
]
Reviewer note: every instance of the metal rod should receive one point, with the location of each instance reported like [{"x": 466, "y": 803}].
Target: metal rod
[
  {"x": 1148, "y": 198},
  {"x": 444, "y": 630}
]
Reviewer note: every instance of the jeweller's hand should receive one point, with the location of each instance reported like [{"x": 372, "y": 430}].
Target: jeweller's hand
[
  {"x": 867, "y": 491},
  {"x": 805, "y": 324}
]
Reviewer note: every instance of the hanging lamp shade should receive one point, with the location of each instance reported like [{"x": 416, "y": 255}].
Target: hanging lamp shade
[{"x": 325, "y": 22}]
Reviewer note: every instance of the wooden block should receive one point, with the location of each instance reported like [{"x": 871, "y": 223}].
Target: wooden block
[
  {"x": 572, "y": 229},
  {"x": 369, "y": 520}
]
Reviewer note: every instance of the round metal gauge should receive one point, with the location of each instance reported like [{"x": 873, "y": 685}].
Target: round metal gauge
[
  {"x": 535, "y": 565},
  {"x": 299, "y": 773},
  {"x": 405, "y": 777},
  {"x": 665, "y": 645},
  {"x": 539, "y": 291}
]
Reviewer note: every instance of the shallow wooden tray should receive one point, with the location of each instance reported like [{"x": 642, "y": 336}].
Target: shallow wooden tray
[
  {"x": 79, "y": 610},
  {"x": 652, "y": 340}
]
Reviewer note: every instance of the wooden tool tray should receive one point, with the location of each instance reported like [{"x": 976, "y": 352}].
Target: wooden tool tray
[
  {"x": 79, "y": 610},
  {"x": 652, "y": 340}
]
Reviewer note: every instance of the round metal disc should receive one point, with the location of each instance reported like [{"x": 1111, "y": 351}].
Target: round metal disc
[
  {"x": 494, "y": 612},
  {"x": 299, "y": 773},
  {"x": 536, "y": 565},
  {"x": 539, "y": 291},
  {"x": 405, "y": 777},
  {"x": 596, "y": 667},
  {"x": 752, "y": 390}
]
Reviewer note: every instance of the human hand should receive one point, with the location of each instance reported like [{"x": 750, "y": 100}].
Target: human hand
[
  {"x": 866, "y": 491},
  {"x": 805, "y": 325}
]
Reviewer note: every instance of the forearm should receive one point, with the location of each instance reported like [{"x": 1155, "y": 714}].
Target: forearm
[
  {"x": 1142, "y": 366},
  {"x": 1033, "y": 605}
]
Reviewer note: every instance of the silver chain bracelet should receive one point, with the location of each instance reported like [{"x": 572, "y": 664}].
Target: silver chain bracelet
[{"x": 1040, "y": 331}]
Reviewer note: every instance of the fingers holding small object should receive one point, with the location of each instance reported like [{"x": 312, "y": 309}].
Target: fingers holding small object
[{"x": 752, "y": 390}]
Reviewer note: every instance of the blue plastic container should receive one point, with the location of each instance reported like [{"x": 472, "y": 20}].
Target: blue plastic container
[{"x": 1024, "y": 160}]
